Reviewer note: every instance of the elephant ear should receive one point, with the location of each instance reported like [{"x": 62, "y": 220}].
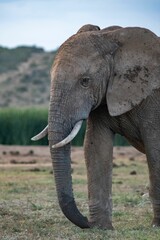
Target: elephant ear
[{"x": 136, "y": 72}]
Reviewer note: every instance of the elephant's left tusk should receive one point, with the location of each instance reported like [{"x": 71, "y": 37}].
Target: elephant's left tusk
[
  {"x": 40, "y": 135},
  {"x": 70, "y": 137}
]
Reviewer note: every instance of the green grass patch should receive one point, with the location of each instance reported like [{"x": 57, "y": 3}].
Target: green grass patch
[{"x": 29, "y": 207}]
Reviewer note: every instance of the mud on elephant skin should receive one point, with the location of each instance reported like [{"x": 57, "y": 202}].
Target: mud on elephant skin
[{"x": 111, "y": 77}]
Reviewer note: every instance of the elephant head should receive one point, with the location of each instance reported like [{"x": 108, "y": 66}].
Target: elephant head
[
  {"x": 88, "y": 27},
  {"x": 117, "y": 67}
]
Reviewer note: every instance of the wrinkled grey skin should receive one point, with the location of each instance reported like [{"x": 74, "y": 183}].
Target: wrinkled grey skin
[
  {"x": 88, "y": 27},
  {"x": 110, "y": 77}
]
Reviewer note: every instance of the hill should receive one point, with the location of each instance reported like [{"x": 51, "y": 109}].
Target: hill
[{"x": 25, "y": 76}]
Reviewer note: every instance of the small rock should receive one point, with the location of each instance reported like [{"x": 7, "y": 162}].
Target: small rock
[
  {"x": 115, "y": 165},
  {"x": 133, "y": 172},
  {"x": 14, "y": 153}
]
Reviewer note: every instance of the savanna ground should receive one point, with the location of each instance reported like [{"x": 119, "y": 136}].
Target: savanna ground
[{"x": 28, "y": 202}]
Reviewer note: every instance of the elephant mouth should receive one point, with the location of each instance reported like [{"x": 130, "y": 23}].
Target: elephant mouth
[{"x": 65, "y": 141}]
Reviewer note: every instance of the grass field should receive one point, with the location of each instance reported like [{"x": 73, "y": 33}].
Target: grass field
[{"x": 28, "y": 202}]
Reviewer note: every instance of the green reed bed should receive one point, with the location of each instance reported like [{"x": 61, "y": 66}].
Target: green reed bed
[{"x": 18, "y": 125}]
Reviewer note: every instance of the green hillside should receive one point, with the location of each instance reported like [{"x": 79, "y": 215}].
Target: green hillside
[
  {"x": 11, "y": 58},
  {"x": 25, "y": 76}
]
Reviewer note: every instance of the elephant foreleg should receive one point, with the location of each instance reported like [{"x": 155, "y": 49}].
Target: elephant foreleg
[
  {"x": 153, "y": 158},
  {"x": 98, "y": 155},
  {"x": 151, "y": 134}
]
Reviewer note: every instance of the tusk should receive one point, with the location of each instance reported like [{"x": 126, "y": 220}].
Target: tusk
[
  {"x": 69, "y": 138},
  {"x": 40, "y": 135}
]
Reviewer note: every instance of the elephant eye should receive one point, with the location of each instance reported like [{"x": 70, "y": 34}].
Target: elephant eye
[{"x": 85, "y": 82}]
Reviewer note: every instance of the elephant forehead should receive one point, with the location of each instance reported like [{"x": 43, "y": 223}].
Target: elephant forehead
[
  {"x": 74, "y": 67},
  {"x": 76, "y": 63},
  {"x": 77, "y": 45}
]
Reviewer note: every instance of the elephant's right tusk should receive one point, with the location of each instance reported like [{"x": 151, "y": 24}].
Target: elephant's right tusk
[
  {"x": 70, "y": 137},
  {"x": 40, "y": 135}
]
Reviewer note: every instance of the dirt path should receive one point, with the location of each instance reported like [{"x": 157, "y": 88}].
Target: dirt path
[{"x": 39, "y": 156}]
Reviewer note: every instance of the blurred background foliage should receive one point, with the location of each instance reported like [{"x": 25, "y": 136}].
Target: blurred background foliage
[
  {"x": 11, "y": 58},
  {"x": 17, "y": 126}
]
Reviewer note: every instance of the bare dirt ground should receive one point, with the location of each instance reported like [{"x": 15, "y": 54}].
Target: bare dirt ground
[{"x": 39, "y": 156}]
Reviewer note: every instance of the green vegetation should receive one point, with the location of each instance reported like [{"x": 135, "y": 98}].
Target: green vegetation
[
  {"x": 18, "y": 125},
  {"x": 11, "y": 58},
  {"x": 120, "y": 141}
]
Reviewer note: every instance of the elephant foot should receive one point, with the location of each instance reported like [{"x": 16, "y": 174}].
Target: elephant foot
[
  {"x": 156, "y": 222},
  {"x": 104, "y": 226}
]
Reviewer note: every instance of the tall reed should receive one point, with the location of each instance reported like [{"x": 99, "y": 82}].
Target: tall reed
[{"x": 18, "y": 125}]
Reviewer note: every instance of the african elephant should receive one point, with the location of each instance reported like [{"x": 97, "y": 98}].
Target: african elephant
[{"x": 111, "y": 77}]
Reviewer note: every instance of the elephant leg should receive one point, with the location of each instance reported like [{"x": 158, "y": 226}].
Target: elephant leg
[
  {"x": 98, "y": 156},
  {"x": 151, "y": 137},
  {"x": 153, "y": 158}
]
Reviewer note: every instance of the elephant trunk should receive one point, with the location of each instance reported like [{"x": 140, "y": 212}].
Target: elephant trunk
[{"x": 62, "y": 172}]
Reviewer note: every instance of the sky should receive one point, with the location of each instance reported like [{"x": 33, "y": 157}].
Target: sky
[{"x": 48, "y": 23}]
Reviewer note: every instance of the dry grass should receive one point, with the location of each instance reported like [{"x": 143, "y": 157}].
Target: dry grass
[{"x": 29, "y": 208}]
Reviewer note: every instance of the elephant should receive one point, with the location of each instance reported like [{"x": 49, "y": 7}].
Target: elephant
[
  {"x": 111, "y": 78},
  {"x": 88, "y": 27}
]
